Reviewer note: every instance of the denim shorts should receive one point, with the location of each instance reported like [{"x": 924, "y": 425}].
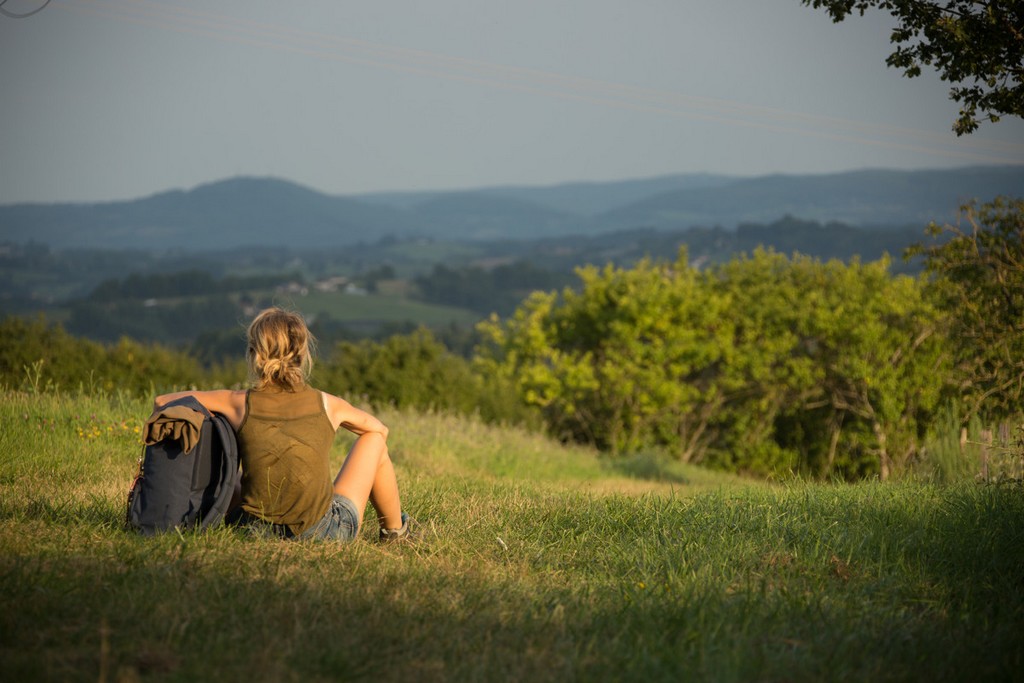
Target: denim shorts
[{"x": 340, "y": 523}]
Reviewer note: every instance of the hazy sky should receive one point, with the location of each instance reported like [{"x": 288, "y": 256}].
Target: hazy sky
[{"x": 115, "y": 99}]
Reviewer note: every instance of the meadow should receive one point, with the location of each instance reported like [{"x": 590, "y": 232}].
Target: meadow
[
  {"x": 537, "y": 561},
  {"x": 385, "y": 307}
]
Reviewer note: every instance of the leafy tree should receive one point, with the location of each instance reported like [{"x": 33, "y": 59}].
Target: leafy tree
[
  {"x": 877, "y": 341},
  {"x": 980, "y": 277},
  {"x": 836, "y": 367},
  {"x": 769, "y": 375},
  {"x": 173, "y": 323},
  {"x": 761, "y": 364},
  {"x": 485, "y": 291},
  {"x": 183, "y": 283},
  {"x": 625, "y": 362},
  {"x": 976, "y": 45},
  {"x": 417, "y": 371},
  {"x": 373, "y": 277}
]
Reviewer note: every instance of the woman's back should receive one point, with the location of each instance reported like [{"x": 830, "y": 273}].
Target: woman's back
[
  {"x": 285, "y": 430},
  {"x": 284, "y": 443}
]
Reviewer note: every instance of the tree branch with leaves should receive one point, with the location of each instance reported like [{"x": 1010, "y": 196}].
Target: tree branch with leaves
[
  {"x": 978, "y": 266},
  {"x": 977, "y": 46}
]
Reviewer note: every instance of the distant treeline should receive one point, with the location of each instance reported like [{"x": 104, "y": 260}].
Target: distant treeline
[
  {"x": 184, "y": 283},
  {"x": 488, "y": 290},
  {"x": 708, "y": 245},
  {"x": 550, "y": 264},
  {"x": 174, "y": 323},
  {"x": 179, "y": 308},
  {"x": 34, "y": 275}
]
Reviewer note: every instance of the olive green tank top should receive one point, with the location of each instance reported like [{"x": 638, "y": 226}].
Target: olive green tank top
[{"x": 284, "y": 445}]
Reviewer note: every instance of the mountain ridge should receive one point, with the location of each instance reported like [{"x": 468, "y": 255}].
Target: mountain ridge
[
  {"x": 865, "y": 198},
  {"x": 267, "y": 211}
]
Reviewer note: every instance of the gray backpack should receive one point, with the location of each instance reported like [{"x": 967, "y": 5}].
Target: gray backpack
[{"x": 185, "y": 490}]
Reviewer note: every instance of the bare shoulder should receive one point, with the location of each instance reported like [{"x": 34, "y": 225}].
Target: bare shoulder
[
  {"x": 337, "y": 409},
  {"x": 344, "y": 414}
]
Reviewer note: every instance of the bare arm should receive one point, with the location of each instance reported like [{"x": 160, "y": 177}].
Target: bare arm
[
  {"x": 230, "y": 404},
  {"x": 344, "y": 414}
]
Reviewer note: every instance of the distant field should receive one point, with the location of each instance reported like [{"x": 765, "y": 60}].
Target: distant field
[
  {"x": 58, "y": 281},
  {"x": 538, "y": 563},
  {"x": 377, "y": 308}
]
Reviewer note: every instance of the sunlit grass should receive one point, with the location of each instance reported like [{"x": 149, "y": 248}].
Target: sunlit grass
[{"x": 541, "y": 562}]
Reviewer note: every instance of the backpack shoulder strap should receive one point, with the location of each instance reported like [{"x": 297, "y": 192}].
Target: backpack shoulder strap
[{"x": 229, "y": 472}]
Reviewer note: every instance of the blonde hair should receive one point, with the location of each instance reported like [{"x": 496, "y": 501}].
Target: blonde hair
[{"x": 280, "y": 351}]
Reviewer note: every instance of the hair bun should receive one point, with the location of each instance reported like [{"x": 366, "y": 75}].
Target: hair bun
[{"x": 279, "y": 350}]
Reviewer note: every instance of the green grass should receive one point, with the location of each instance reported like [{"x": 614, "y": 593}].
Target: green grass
[{"x": 544, "y": 563}]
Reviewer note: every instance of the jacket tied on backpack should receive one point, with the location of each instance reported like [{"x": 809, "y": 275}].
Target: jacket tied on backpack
[
  {"x": 181, "y": 423},
  {"x": 188, "y": 470}
]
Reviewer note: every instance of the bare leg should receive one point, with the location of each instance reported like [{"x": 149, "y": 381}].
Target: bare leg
[{"x": 368, "y": 474}]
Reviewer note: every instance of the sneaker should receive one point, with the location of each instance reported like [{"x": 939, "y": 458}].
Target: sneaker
[{"x": 402, "y": 534}]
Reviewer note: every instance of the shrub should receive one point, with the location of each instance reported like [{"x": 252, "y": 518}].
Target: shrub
[
  {"x": 417, "y": 371},
  {"x": 35, "y": 355},
  {"x": 761, "y": 364}
]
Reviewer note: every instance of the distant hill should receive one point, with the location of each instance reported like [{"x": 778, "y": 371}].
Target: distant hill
[
  {"x": 581, "y": 199},
  {"x": 240, "y": 211},
  {"x": 705, "y": 246},
  {"x": 861, "y": 198},
  {"x": 484, "y": 216},
  {"x": 271, "y": 212}
]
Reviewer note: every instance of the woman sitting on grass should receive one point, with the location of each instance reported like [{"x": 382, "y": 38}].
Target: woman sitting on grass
[{"x": 285, "y": 430}]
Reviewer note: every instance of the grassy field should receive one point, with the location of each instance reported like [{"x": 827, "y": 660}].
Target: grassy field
[{"x": 542, "y": 563}]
